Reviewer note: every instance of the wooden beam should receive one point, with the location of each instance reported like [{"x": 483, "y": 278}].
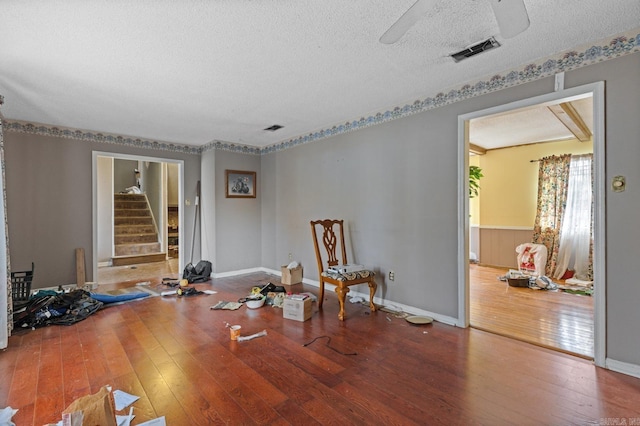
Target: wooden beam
[
  {"x": 80, "y": 275},
  {"x": 475, "y": 149},
  {"x": 567, "y": 114}
]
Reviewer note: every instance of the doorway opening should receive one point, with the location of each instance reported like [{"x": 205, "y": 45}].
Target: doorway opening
[
  {"x": 576, "y": 328},
  {"x": 150, "y": 242}
]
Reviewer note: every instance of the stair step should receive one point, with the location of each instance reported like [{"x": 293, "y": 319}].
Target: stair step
[
  {"x": 136, "y": 238},
  {"x": 129, "y": 229},
  {"x": 136, "y": 259},
  {"x": 133, "y": 220},
  {"x": 130, "y": 204},
  {"x": 131, "y": 212},
  {"x": 129, "y": 197},
  {"x": 141, "y": 248}
]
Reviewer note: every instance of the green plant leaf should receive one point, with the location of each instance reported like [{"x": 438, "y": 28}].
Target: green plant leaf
[{"x": 475, "y": 173}]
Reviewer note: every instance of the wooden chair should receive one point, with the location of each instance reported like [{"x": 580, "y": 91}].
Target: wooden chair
[{"x": 332, "y": 239}]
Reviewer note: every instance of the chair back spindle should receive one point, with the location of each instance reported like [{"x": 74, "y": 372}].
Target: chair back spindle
[{"x": 330, "y": 241}]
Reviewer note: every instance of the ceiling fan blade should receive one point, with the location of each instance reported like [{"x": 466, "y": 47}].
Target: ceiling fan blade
[
  {"x": 406, "y": 21},
  {"x": 511, "y": 15}
]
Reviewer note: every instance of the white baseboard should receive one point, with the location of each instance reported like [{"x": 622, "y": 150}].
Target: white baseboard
[
  {"x": 377, "y": 300},
  {"x": 238, "y": 272},
  {"x": 623, "y": 367},
  {"x": 277, "y": 273}
]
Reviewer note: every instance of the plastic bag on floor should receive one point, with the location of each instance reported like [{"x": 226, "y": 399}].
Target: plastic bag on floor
[{"x": 532, "y": 258}]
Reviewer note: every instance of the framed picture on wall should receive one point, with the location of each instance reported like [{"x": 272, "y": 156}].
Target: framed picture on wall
[{"x": 240, "y": 184}]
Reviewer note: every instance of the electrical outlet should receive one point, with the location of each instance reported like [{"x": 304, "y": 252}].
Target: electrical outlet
[
  {"x": 392, "y": 275},
  {"x": 290, "y": 257}
]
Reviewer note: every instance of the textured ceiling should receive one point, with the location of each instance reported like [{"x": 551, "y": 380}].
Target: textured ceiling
[
  {"x": 194, "y": 72},
  {"x": 527, "y": 126}
]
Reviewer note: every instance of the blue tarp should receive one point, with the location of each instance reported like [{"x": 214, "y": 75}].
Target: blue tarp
[{"x": 109, "y": 298}]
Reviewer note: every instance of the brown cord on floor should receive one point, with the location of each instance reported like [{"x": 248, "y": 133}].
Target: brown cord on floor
[{"x": 332, "y": 348}]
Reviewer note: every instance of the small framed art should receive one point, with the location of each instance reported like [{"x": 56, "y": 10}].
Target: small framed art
[{"x": 240, "y": 184}]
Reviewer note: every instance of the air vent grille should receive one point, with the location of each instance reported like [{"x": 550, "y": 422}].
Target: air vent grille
[
  {"x": 483, "y": 46},
  {"x": 273, "y": 128}
]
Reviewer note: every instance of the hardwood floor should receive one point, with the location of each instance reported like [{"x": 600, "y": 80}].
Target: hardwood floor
[
  {"x": 138, "y": 273},
  {"x": 552, "y": 319},
  {"x": 175, "y": 353}
]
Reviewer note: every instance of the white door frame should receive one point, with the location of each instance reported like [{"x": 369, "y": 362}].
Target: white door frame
[
  {"x": 114, "y": 155},
  {"x": 599, "y": 262}
]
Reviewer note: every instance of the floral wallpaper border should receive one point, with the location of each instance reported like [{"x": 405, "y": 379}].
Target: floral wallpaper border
[
  {"x": 610, "y": 48},
  {"x": 46, "y": 130}
]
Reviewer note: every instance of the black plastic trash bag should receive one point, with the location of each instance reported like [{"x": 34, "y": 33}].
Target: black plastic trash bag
[{"x": 199, "y": 273}]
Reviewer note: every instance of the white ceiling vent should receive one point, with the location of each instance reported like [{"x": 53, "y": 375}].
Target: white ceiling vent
[{"x": 483, "y": 46}]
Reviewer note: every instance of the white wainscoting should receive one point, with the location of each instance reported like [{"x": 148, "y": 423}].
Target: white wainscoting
[{"x": 498, "y": 245}]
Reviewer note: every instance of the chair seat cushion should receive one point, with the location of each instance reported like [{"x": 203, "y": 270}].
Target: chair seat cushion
[{"x": 348, "y": 276}]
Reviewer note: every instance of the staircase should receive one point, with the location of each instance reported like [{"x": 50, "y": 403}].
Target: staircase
[{"x": 135, "y": 233}]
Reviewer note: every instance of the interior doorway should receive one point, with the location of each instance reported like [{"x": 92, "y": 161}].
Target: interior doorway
[
  {"x": 467, "y": 272},
  {"x": 159, "y": 181}
]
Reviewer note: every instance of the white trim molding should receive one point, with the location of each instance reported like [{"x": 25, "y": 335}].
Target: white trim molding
[
  {"x": 623, "y": 367},
  {"x": 599, "y": 267}
]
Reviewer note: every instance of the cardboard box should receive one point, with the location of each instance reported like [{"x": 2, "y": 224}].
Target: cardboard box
[
  {"x": 297, "y": 310},
  {"x": 291, "y": 276}
]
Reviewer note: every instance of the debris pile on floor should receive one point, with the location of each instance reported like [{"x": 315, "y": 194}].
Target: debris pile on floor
[
  {"x": 69, "y": 305},
  {"x": 572, "y": 285},
  {"x": 101, "y": 408},
  {"x": 48, "y": 307}
]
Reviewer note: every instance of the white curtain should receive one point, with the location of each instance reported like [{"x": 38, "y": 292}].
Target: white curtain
[
  {"x": 576, "y": 231},
  {"x": 6, "y": 318}
]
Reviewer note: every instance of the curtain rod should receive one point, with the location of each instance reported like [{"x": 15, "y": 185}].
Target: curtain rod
[{"x": 572, "y": 155}]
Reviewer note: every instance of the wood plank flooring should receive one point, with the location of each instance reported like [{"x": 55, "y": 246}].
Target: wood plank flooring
[
  {"x": 552, "y": 319},
  {"x": 138, "y": 273},
  {"x": 175, "y": 353}
]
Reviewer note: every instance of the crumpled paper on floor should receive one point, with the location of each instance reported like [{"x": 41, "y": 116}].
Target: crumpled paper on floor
[
  {"x": 5, "y": 416},
  {"x": 96, "y": 409}
]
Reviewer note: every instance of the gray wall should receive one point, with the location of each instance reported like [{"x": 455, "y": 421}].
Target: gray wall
[
  {"x": 395, "y": 185},
  {"x": 268, "y": 210},
  {"x": 208, "y": 191},
  {"x": 238, "y": 243},
  {"x": 623, "y": 233},
  {"x": 123, "y": 174},
  {"x": 49, "y": 202},
  {"x": 389, "y": 183}
]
